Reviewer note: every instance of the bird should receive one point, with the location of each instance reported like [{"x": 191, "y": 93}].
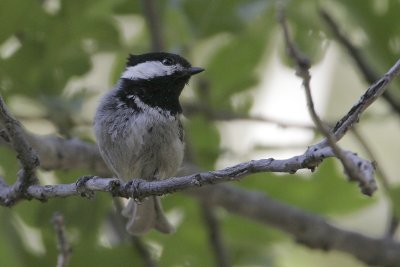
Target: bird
[{"x": 139, "y": 133}]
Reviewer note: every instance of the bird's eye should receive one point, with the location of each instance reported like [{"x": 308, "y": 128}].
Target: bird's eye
[{"x": 167, "y": 61}]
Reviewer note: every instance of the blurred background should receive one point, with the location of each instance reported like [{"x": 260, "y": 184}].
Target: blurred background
[{"x": 57, "y": 57}]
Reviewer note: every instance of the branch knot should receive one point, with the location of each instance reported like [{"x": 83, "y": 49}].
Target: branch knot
[{"x": 81, "y": 187}]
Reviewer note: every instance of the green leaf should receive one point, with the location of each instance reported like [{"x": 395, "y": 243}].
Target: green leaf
[
  {"x": 208, "y": 17},
  {"x": 232, "y": 69},
  {"x": 54, "y": 48},
  {"x": 376, "y": 20},
  {"x": 306, "y": 30},
  {"x": 17, "y": 15},
  {"x": 126, "y": 7}
]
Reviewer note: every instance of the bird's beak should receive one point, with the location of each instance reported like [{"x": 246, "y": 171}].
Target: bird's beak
[{"x": 194, "y": 70}]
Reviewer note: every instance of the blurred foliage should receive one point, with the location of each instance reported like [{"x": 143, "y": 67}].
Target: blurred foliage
[
  {"x": 205, "y": 150},
  {"x": 374, "y": 19},
  {"x": 45, "y": 44}
]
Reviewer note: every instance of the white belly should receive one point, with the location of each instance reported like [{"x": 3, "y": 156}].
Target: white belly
[{"x": 138, "y": 146}]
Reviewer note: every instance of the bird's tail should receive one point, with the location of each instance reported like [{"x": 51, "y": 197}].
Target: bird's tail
[{"x": 145, "y": 216}]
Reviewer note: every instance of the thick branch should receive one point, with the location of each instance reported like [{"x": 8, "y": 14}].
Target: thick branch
[
  {"x": 66, "y": 154},
  {"x": 306, "y": 228}
]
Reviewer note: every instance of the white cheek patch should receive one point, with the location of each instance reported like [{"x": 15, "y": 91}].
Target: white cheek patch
[{"x": 149, "y": 70}]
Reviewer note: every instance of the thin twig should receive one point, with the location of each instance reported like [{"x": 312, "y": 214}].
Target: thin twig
[
  {"x": 140, "y": 247},
  {"x": 143, "y": 251},
  {"x": 27, "y": 157},
  {"x": 63, "y": 245},
  {"x": 379, "y": 170},
  {"x": 150, "y": 10},
  {"x": 221, "y": 115},
  {"x": 393, "y": 225},
  {"x": 353, "y": 168},
  {"x": 370, "y": 96},
  {"x": 215, "y": 237},
  {"x": 393, "y": 221},
  {"x": 369, "y": 75}
]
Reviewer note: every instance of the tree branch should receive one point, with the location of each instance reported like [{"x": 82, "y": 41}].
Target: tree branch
[
  {"x": 369, "y": 75},
  {"x": 372, "y": 93},
  {"x": 393, "y": 219},
  {"x": 66, "y": 154},
  {"x": 221, "y": 115},
  {"x": 356, "y": 168},
  {"x": 139, "y": 189},
  {"x": 118, "y": 222},
  {"x": 215, "y": 238},
  {"x": 27, "y": 157},
  {"x": 154, "y": 24},
  {"x": 64, "y": 247},
  {"x": 309, "y": 159},
  {"x": 13, "y": 129},
  {"x": 242, "y": 202},
  {"x": 306, "y": 228}
]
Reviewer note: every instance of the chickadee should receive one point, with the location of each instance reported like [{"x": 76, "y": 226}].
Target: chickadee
[{"x": 138, "y": 129}]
